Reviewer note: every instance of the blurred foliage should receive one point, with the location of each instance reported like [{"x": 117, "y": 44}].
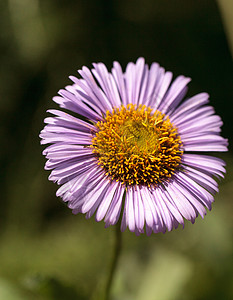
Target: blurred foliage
[
  {"x": 45, "y": 251},
  {"x": 226, "y": 8}
]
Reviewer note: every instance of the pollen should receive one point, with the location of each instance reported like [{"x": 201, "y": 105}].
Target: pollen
[{"x": 137, "y": 146}]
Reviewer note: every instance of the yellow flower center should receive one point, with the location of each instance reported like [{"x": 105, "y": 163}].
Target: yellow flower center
[{"x": 137, "y": 147}]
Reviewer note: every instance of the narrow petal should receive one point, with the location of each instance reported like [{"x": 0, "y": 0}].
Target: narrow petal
[
  {"x": 114, "y": 210},
  {"x": 173, "y": 93},
  {"x": 190, "y": 105},
  {"x": 210, "y": 165},
  {"x": 119, "y": 79},
  {"x": 139, "y": 211},
  {"x": 162, "y": 89},
  {"x": 130, "y": 212},
  {"x": 164, "y": 196},
  {"x": 92, "y": 89},
  {"x": 107, "y": 83},
  {"x": 105, "y": 204},
  {"x": 181, "y": 202}
]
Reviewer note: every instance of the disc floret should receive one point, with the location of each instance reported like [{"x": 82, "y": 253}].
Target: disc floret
[{"x": 137, "y": 146}]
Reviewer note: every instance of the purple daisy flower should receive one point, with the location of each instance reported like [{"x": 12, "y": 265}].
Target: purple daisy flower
[{"x": 131, "y": 147}]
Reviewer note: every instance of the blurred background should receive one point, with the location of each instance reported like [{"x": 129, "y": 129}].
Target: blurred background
[{"x": 45, "y": 251}]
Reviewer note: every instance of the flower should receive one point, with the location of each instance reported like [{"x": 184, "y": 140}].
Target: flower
[{"x": 132, "y": 148}]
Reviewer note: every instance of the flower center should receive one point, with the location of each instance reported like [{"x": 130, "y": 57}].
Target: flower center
[{"x": 137, "y": 147}]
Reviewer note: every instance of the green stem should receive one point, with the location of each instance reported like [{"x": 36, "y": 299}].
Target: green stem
[{"x": 115, "y": 259}]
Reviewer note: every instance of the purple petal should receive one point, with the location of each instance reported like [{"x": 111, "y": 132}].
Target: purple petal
[{"x": 114, "y": 210}]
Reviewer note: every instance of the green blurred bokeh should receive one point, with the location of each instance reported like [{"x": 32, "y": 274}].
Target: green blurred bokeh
[{"x": 45, "y": 251}]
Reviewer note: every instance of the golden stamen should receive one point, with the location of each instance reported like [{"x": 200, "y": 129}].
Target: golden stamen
[{"x": 137, "y": 147}]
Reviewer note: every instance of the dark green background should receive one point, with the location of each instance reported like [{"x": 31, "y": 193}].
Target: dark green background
[{"x": 45, "y": 251}]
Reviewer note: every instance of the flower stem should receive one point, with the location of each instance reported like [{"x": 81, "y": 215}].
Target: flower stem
[{"x": 115, "y": 259}]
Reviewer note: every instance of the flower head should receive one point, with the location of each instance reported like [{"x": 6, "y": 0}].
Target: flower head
[{"x": 133, "y": 147}]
